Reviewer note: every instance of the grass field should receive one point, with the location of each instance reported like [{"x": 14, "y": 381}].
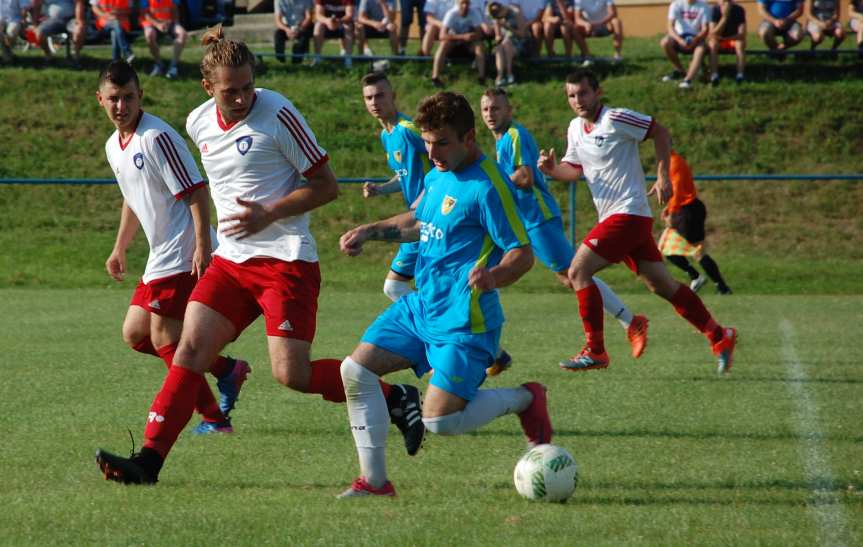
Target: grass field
[{"x": 669, "y": 454}]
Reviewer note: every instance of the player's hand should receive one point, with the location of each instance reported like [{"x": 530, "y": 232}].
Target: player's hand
[
  {"x": 200, "y": 260},
  {"x": 254, "y": 218},
  {"x": 546, "y": 162},
  {"x": 481, "y": 279},
  {"x": 663, "y": 190},
  {"x": 351, "y": 242},
  {"x": 370, "y": 189},
  {"x": 116, "y": 265}
]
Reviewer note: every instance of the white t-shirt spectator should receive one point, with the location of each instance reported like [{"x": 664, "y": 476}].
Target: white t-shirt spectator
[
  {"x": 372, "y": 9},
  {"x": 10, "y": 10},
  {"x": 530, "y": 8},
  {"x": 438, "y": 8},
  {"x": 457, "y": 24},
  {"x": 689, "y": 19},
  {"x": 594, "y": 10}
]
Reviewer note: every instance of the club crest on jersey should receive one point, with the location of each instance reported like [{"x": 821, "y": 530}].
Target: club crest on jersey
[
  {"x": 244, "y": 144},
  {"x": 138, "y": 160},
  {"x": 599, "y": 140},
  {"x": 398, "y": 156},
  {"x": 447, "y": 205}
]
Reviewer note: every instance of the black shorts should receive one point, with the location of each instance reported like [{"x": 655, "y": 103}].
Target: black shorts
[{"x": 689, "y": 221}]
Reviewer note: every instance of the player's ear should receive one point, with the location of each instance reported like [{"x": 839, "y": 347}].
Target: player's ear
[{"x": 208, "y": 86}]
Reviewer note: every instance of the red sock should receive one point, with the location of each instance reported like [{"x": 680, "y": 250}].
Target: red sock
[
  {"x": 590, "y": 309},
  {"x": 205, "y": 404},
  {"x": 167, "y": 353},
  {"x": 327, "y": 380},
  {"x": 145, "y": 346},
  {"x": 171, "y": 409},
  {"x": 687, "y": 304},
  {"x": 222, "y": 366}
]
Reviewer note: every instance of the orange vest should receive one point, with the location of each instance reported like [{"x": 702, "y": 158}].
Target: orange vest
[
  {"x": 121, "y": 9},
  {"x": 682, "y": 183},
  {"x": 162, "y": 10}
]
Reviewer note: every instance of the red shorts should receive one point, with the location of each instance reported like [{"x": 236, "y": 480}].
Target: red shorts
[
  {"x": 626, "y": 238},
  {"x": 167, "y": 296},
  {"x": 727, "y": 45},
  {"x": 285, "y": 292}
]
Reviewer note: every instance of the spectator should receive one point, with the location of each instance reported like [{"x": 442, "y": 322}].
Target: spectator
[
  {"x": 687, "y": 30},
  {"x": 79, "y": 31},
  {"x": 407, "y": 14},
  {"x": 293, "y": 22},
  {"x": 113, "y": 19},
  {"x": 557, "y": 23},
  {"x": 823, "y": 16},
  {"x": 376, "y": 20},
  {"x": 855, "y": 11},
  {"x": 57, "y": 14},
  {"x": 597, "y": 18},
  {"x": 512, "y": 38},
  {"x": 727, "y": 31},
  {"x": 11, "y": 18},
  {"x": 533, "y": 11},
  {"x": 160, "y": 18},
  {"x": 780, "y": 20},
  {"x": 435, "y": 11},
  {"x": 334, "y": 19},
  {"x": 461, "y": 36}
]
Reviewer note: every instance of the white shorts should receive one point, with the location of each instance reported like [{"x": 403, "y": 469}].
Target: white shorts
[{"x": 812, "y": 28}]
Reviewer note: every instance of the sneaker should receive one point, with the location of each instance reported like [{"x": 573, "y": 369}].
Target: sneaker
[
  {"x": 672, "y": 76},
  {"x": 499, "y": 82},
  {"x": 342, "y": 52},
  {"x": 534, "y": 419},
  {"x": 129, "y": 470},
  {"x": 316, "y": 60},
  {"x": 367, "y": 51},
  {"x": 586, "y": 360},
  {"x": 685, "y": 84},
  {"x": 229, "y": 386},
  {"x": 405, "y": 406},
  {"x": 714, "y": 80},
  {"x": 637, "y": 334},
  {"x": 157, "y": 70},
  {"x": 724, "y": 350},
  {"x": 587, "y": 62},
  {"x": 617, "y": 59},
  {"x": 724, "y": 290},
  {"x": 130, "y": 56},
  {"x": 739, "y": 79},
  {"x": 501, "y": 364},
  {"x": 360, "y": 488},
  {"x": 172, "y": 73},
  {"x": 436, "y": 82},
  {"x": 697, "y": 283},
  {"x": 205, "y": 427},
  {"x": 510, "y": 80}
]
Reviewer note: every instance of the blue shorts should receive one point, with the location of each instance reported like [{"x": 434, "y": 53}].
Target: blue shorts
[
  {"x": 406, "y": 259},
  {"x": 459, "y": 361},
  {"x": 550, "y": 245}
]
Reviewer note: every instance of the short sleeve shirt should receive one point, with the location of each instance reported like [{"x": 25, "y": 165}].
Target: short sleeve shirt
[
  {"x": 530, "y": 8},
  {"x": 780, "y": 9},
  {"x": 407, "y": 157},
  {"x": 594, "y": 10},
  {"x": 372, "y": 9},
  {"x": 467, "y": 219},
  {"x": 689, "y": 19},
  {"x": 293, "y": 12},
  {"x": 457, "y": 24},
  {"x": 736, "y": 17},
  {"x": 438, "y": 8}
]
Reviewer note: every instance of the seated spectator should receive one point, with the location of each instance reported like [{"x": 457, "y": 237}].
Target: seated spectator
[
  {"x": 533, "y": 12},
  {"x": 435, "y": 11},
  {"x": 687, "y": 31},
  {"x": 406, "y": 9},
  {"x": 855, "y": 11},
  {"x": 334, "y": 19},
  {"x": 11, "y": 21},
  {"x": 727, "y": 31},
  {"x": 112, "y": 19},
  {"x": 293, "y": 22},
  {"x": 461, "y": 36},
  {"x": 79, "y": 31},
  {"x": 162, "y": 18},
  {"x": 512, "y": 38},
  {"x": 557, "y": 24},
  {"x": 51, "y": 17},
  {"x": 823, "y": 21},
  {"x": 375, "y": 19},
  {"x": 780, "y": 20},
  {"x": 596, "y": 19}
]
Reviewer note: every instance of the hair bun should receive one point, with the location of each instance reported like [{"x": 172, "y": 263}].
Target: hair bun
[{"x": 213, "y": 35}]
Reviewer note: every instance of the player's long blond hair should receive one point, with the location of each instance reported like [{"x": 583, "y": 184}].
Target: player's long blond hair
[{"x": 223, "y": 52}]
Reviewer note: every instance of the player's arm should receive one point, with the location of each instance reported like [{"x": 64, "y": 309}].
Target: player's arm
[
  {"x": 370, "y": 189},
  {"x": 563, "y": 171},
  {"x": 662, "y": 146},
  {"x": 611, "y": 13},
  {"x": 514, "y": 264},
  {"x": 401, "y": 228},
  {"x": 129, "y": 224},
  {"x": 199, "y": 207},
  {"x": 522, "y": 177}
]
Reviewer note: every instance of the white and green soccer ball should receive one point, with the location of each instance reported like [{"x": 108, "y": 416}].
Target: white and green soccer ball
[{"x": 546, "y": 473}]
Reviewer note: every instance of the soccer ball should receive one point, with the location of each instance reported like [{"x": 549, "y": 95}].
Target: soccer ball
[{"x": 546, "y": 473}]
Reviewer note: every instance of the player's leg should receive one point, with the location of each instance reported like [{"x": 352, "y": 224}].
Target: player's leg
[
  {"x": 136, "y": 329},
  {"x": 682, "y": 263},
  {"x": 584, "y": 265}
]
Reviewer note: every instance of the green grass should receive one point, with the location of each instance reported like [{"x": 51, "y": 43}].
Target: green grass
[{"x": 669, "y": 454}]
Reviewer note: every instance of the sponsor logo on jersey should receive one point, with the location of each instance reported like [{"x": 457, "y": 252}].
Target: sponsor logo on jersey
[
  {"x": 599, "y": 140},
  {"x": 398, "y": 156},
  {"x": 244, "y": 144},
  {"x": 204, "y": 149},
  {"x": 447, "y": 205},
  {"x": 138, "y": 160},
  {"x": 154, "y": 304},
  {"x": 429, "y": 231},
  {"x": 286, "y": 326}
]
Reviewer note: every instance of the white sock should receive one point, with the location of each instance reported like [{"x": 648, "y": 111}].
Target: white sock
[
  {"x": 370, "y": 420},
  {"x": 395, "y": 289},
  {"x": 613, "y": 305},
  {"x": 485, "y": 407}
]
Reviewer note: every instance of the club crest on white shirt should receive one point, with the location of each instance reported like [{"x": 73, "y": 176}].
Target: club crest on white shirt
[
  {"x": 138, "y": 159},
  {"x": 599, "y": 140},
  {"x": 244, "y": 144}
]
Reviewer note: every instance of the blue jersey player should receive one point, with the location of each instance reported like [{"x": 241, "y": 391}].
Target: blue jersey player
[
  {"x": 517, "y": 154},
  {"x": 407, "y": 157},
  {"x": 471, "y": 242}
]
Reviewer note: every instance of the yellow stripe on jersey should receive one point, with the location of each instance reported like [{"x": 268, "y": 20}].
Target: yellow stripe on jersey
[
  {"x": 489, "y": 167},
  {"x": 477, "y": 319},
  {"x": 516, "y": 146},
  {"x": 543, "y": 206},
  {"x": 410, "y": 126}
]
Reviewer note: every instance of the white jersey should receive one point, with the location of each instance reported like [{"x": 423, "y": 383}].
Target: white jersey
[
  {"x": 155, "y": 170},
  {"x": 261, "y": 158},
  {"x": 608, "y": 153},
  {"x": 689, "y": 18},
  {"x": 594, "y": 10},
  {"x": 530, "y": 8}
]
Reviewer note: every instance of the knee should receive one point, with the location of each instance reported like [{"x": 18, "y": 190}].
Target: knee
[
  {"x": 290, "y": 377},
  {"x": 354, "y": 375},
  {"x": 133, "y": 336},
  {"x": 451, "y": 424}
]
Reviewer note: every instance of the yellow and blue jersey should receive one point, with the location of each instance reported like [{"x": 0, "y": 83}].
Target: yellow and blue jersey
[
  {"x": 406, "y": 156},
  {"x": 515, "y": 148},
  {"x": 467, "y": 218}
]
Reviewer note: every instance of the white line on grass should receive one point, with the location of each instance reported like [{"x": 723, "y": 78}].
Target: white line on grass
[{"x": 827, "y": 507}]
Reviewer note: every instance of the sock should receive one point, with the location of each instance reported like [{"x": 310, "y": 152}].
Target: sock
[
  {"x": 171, "y": 409},
  {"x": 395, "y": 289},
  {"x": 590, "y": 309},
  {"x": 367, "y": 411},
  {"x": 205, "y": 404},
  {"x": 222, "y": 366},
  {"x": 683, "y": 264},
  {"x": 687, "y": 304},
  {"x": 485, "y": 407},
  {"x": 712, "y": 270},
  {"x": 613, "y": 305},
  {"x": 327, "y": 381},
  {"x": 145, "y": 346}
]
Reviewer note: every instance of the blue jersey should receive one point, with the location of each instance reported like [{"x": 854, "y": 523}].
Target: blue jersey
[
  {"x": 467, "y": 218},
  {"x": 516, "y": 148},
  {"x": 406, "y": 156}
]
